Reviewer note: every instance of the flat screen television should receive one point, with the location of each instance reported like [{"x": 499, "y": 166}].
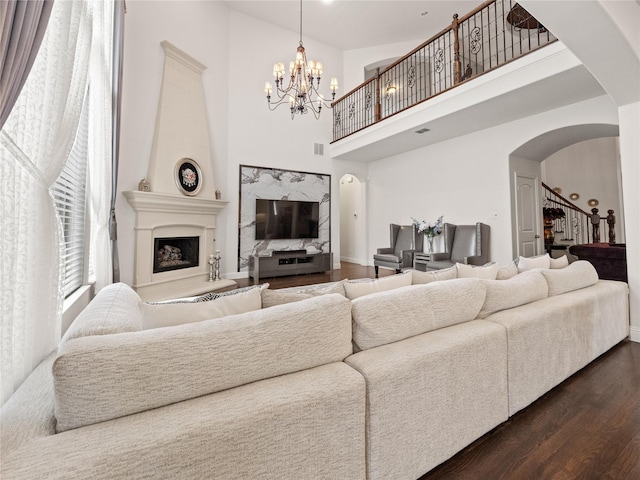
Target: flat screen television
[{"x": 286, "y": 219}]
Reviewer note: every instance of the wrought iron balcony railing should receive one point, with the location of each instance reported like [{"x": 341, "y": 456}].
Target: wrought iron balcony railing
[{"x": 495, "y": 33}]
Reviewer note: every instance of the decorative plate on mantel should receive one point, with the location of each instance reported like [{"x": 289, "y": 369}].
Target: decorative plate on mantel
[{"x": 188, "y": 176}]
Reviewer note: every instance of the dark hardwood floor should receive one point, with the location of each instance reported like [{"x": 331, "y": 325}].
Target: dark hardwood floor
[
  {"x": 347, "y": 270},
  {"x": 587, "y": 428}
]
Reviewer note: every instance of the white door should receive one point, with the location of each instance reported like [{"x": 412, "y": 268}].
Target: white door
[{"x": 528, "y": 215}]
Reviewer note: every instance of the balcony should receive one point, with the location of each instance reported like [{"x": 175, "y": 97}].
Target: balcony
[{"x": 493, "y": 35}]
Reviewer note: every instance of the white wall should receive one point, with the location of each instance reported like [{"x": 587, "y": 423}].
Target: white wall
[
  {"x": 630, "y": 163},
  {"x": 590, "y": 169},
  {"x": 465, "y": 179}
]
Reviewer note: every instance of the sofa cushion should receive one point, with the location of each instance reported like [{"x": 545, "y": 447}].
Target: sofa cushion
[
  {"x": 507, "y": 271},
  {"x": 359, "y": 288},
  {"x": 418, "y": 277},
  {"x": 579, "y": 274},
  {"x": 489, "y": 271},
  {"x": 559, "y": 262},
  {"x": 156, "y": 315},
  {"x": 98, "y": 378},
  {"x": 519, "y": 290},
  {"x": 117, "y": 312},
  {"x": 271, "y": 298},
  {"x": 394, "y": 315},
  {"x": 529, "y": 263}
]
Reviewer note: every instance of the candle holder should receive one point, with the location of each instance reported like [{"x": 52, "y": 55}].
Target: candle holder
[
  {"x": 211, "y": 268},
  {"x": 216, "y": 275}
]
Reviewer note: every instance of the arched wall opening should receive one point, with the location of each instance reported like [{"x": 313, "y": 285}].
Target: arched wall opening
[
  {"x": 584, "y": 158},
  {"x": 353, "y": 220}
]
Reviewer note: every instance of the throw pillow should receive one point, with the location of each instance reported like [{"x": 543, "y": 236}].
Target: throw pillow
[
  {"x": 211, "y": 295},
  {"x": 529, "y": 263},
  {"x": 488, "y": 272},
  {"x": 360, "y": 288},
  {"x": 507, "y": 272},
  {"x": 560, "y": 262},
  {"x": 418, "y": 277},
  {"x": 518, "y": 290},
  {"x": 156, "y": 315},
  {"x": 580, "y": 274}
]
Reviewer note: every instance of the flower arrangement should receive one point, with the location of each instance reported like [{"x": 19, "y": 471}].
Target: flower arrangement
[
  {"x": 428, "y": 228},
  {"x": 552, "y": 213}
]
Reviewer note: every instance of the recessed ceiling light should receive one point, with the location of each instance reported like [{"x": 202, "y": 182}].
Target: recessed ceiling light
[{"x": 422, "y": 130}]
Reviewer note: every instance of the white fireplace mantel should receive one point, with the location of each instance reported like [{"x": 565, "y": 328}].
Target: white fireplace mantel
[{"x": 161, "y": 215}]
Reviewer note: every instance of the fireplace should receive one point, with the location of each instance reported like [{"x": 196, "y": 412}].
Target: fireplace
[{"x": 175, "y": 253}]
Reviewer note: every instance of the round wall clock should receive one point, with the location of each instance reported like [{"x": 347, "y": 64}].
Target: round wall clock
[{"x": 188, "y": 176}]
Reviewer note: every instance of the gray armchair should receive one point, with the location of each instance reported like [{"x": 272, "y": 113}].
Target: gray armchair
[
  {"x": 405, "y": 240},
  {"x": 467, "y": 244}
]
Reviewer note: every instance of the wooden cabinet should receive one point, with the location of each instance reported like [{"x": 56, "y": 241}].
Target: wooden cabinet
[{"x": 283, "y": 263}]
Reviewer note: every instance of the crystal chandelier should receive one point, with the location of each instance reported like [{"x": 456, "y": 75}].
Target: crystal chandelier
[{"x": 302, "y": 93}]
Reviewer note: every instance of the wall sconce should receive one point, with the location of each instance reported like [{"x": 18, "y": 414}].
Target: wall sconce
[{"x": 389, "y": 89}]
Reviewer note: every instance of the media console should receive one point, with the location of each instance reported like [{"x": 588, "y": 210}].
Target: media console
[{"x": 285, "y": 262}]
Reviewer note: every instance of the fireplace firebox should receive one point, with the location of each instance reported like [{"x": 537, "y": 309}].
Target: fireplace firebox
[{"x": 175, "y": 253}]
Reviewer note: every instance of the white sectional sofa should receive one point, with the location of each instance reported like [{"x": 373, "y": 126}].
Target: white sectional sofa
[{"x": 385, "y": 384}]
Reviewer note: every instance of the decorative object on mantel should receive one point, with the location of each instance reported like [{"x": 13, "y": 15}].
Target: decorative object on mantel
[
  {"x": 304, "y": 79},
  {"x": 430, "y": 230},
  {"x": 214, "y": 266},
  {"x": 593, "y": 202},
  {"x": 218, "y": 195},
  {"x": 188, "y": 176},
  {"x": 143, "y": 186},
  {"x": 574, "y": 196}
]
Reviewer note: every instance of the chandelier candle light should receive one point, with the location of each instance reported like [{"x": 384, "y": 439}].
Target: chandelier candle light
[
  {"x": 430, "y": 230},
  {"x": 302, "y": 92}
]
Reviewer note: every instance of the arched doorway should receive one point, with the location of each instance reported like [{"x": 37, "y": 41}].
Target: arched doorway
[
  {"x": 526, "y": 170},
  {"x": 353, "y": 226}
]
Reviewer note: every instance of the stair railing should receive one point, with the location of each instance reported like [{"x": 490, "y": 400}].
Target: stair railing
[{"x": 574, "y": 222}]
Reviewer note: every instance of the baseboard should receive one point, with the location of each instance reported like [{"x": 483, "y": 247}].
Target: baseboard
[
  {"x": 634, "y": 334},
  {"x": 357, "y": 261},
  {"x": 236, "y": 275}
]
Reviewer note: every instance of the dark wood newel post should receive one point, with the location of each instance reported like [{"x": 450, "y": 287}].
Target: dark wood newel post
[
  {"x": 456, "y": 50},
  {"x": 378, "y": 107},
  {"x": 611, "y": 221}
]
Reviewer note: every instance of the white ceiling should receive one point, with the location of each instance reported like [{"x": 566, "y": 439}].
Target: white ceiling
[{"x": 354, "y": 24}]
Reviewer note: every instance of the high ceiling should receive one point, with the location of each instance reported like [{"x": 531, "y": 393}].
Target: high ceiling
[{"x": 354, "y": 24}]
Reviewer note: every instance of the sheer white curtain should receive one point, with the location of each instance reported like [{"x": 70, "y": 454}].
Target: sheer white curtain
[
  {"x": 100, "y": 142},
  {"x": 34, "y": 145}
]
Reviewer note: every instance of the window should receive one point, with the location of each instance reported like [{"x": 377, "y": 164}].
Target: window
[{"x": 70, "y": 195}]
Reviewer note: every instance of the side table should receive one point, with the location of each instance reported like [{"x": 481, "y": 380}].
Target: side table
[{"x": 420, "y": 260}]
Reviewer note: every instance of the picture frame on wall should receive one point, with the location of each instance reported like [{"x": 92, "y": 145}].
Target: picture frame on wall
[{"x": 188, "y": 176}]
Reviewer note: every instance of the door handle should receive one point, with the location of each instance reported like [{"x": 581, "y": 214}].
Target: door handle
[{"x": 536, "y": 236}]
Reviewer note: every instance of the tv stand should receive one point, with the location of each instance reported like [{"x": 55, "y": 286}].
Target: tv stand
[{"x": 289, "y": 262}]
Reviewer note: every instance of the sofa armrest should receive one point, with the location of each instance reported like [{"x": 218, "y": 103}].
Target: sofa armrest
[
  {"x": 438, "y": 257},
  {"x": 385, "y": 250},
  {"x": 407, "y": 257}
]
